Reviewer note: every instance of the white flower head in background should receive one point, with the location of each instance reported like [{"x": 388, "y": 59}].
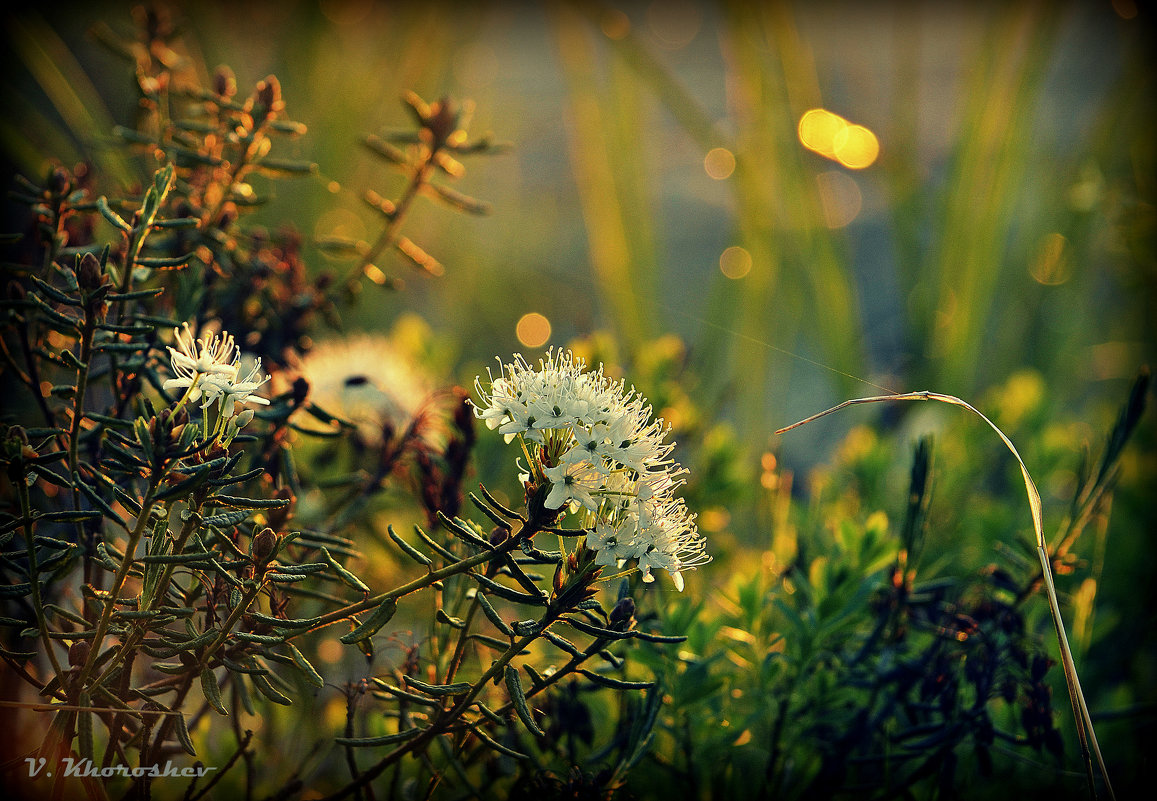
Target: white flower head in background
[
  {"x": 366, "y": 380},
  {"x": 604, "y": 456}
]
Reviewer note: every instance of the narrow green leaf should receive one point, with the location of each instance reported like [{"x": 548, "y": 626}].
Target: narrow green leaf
[
  {"x": 227, "y": 519},
  {"x": 285, "y": 578},
  {"x": 438, "y": 689},
  {"x": 164, "y": 262},
  {"x": 518, "y": 698},
  {"x": 454, "y": 622},
  {"x": 250, "y": 503},
  {"x": 378, "y": 618},
  {"x": 268, "y": 690},
  {"x": 616, "y": 684},
  {"x": 664, "y": 638},
  {"x": 481, "y": 734},
  {"x": 242, "y": 694},
  {"x": 304, "y": 666},
  {"x": 345, "y": 575},
  {"x": 115, "y": 219},
  {"x": 562, "y": 643},
  {"x": 182, "y": 732},
  {"x": 492, "y": 614},
  {"x": 598, "y": 631},
  {"x": 212, "y": 692},
  {"x": 84, "y": 727},
  {"x": 398, "y": 692},
  {"x": 490, "y": 642},
  {"x": 459, "y": 201},
  {"x": 409, "y": 550},
  {"x": 385, "y": 739},
  {"x": 507, "y": 593}
]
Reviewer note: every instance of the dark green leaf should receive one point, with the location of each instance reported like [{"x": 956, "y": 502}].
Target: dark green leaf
[{"x": 378, "y": 618}]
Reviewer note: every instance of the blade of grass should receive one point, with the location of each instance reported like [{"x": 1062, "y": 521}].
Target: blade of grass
[
  {"x": 61, "y": 77},
  {"x": 995, "y": 145},
  {"x": 607, "y": 138}
]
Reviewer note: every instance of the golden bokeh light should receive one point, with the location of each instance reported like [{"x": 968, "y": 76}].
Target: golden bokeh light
[
  {"x": 830, "y": 135},
  {"x": 532, "y": 330},
  {"x": 719, "y": 163},
  {"x": 840, "y": 198},
  {"x": 615, "y": 24},
  {"x": 339, "y": 223},
  {"x": 735, "y": 262},
  {"x": 674, "y": 23},
  {"x": 330, "y": 651},
  {"x": 817, "y": 130},
  {"x": 856, "y": 147}
]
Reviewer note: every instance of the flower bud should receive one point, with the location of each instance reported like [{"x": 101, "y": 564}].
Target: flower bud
[
  {"x": 224, "y": 82},
  {"x": 442, "y": 121},
  {"x": 269, "y": 96},
  {"x": 78, "y": 653},
  {"x": 59, "y": 182},
  {"x": 264, "y": 545},
  {"x": 18, "y": 434},
  {"x": 622, "y": 614},
  {"x": 89, "y": 274},
  {"x": 499, "y": 535}
]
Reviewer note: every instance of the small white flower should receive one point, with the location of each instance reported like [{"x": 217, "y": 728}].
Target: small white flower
[
  {"x": 573, "y": 482},
  {"x": 614, "y": 545},
  {"x": 207, "y": 370},
  {"x": 231, "y": 393},
  {"x": 195, "y": 359}
]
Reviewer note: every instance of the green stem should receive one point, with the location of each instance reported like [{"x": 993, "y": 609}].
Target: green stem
[
  {"x": 34, "y": 574},
  {"x": 134, "y": 639},
  {"x": 118, "y": 583},
  {"x": 419, "y": 177},
  {"x": 165, "y": 729},
  {"x": 247, "y": 598},
  {"x": 432, "y": 577},
  {"x": 441, "y": 724},
  {"x": 86, "y": 336},
  {"x": 460, "y": 647}
]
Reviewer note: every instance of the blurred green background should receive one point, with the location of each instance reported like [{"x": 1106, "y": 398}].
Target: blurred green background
[
  {"x": 1005, "y": 224},
  {"x": 999, "y": 248}
]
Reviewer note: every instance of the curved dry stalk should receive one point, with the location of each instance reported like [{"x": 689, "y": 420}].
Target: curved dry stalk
[{"x": 1085, "y": 733}]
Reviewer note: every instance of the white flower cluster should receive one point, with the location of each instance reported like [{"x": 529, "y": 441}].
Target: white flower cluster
[
  {"x": 210, "y": 369},
  {"x": 604, "y": 457}
]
